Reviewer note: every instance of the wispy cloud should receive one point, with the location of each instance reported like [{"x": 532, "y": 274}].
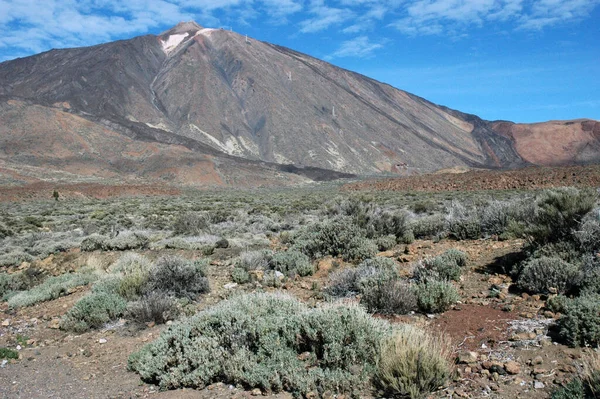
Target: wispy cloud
[
  {"x": 323, "y": 16},
  {"x": 429, "y": 17},
  {"x": 33, "y": 26},
  {"x": 360, "y": 47}
]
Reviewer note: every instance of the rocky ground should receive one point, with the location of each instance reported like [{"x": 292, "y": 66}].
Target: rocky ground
[
  {"x": 501, "y": 337},
  {"x": 521, "y": 179}
]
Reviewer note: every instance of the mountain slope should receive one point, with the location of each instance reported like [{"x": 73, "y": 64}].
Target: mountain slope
[{"x": 214, "y": 94}]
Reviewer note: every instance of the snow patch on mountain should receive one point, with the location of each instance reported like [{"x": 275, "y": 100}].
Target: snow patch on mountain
[{"x": 173, "y": 41}]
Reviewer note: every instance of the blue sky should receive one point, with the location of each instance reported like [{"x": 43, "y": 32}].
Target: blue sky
[{"x": 520, "y": 60}]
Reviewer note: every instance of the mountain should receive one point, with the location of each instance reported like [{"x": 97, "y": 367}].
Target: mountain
[{"x": 196, "y": 105}]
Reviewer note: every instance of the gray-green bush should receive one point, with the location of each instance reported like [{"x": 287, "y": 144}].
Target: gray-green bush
[
  {"x": 179, "y": 277},
  {"x": 436, "y": 296},
  {"x": 51, "y": 288},
  {"x": 580, "y": 323},
  {"x": 256, "y": 341},
  {"x": 548, "y": 274},
  {"x": 93, "y": 311}
]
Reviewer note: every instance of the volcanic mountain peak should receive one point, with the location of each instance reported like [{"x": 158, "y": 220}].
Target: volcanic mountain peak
[{"x": 227, "y": 99}]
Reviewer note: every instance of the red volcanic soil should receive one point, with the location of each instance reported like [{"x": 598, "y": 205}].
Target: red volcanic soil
[{"x": 521, "y": 179}]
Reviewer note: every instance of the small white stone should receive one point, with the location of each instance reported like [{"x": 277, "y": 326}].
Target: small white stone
[
  {"x": 539, "y": 385},
  {"x": 102, "y": 341},
  {"x": 230, "y": 286},
  {"x": 19, "y": 347}
]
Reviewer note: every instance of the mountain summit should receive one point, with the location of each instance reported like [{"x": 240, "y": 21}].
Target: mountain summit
[{"x": 219, "y": 95}]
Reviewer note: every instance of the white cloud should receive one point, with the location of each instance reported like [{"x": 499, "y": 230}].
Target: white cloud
[
  {"x": 323, "y": 17},
  {"x": 359, "y": 47},
  {"x": 34, "y": 26},
  {"x": 429, "y": 17}
]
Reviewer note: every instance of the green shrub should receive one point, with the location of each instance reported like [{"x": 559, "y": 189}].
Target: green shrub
[
  {"x": 191, "y": 223},
  {"x": 10, "y": 283},
  {"x": 240, "y": 276},
  {"x": 127, "y": 241},
  {"x": 436, "y": 296},
  {"x": 588, "y": 234},
  {"x": 558, "y": 303},
  {"x": 273, "y": 278},
  {"x": 580, "y": 323},
  {"x": 51, "y": 288},
  {"x": 93, "y": 311},
  {"x": 543, "y": 275},
  {"x": 256, "y": 341},
  {"x": 340, "y": 237},
  {"x": 463, "y": 224},
  {"x": 95, "y": 242},
  {"x": 254, "y": 260},
  {"x": 573, "y": 390},
  {"x": 131, "y": 263},
  {"x": 413, "y": 364},
  {"x": 292, "y": 262},
  {"x": 179, "y": 277},
  {"x": 385, "y": 243},
  {"x": 153, "y": 307},
  {"x": 447, "y": 266},
  {"x": 559, "y": 214},
  {"x": 8, "y": 353},
  {"x": 132, "y": 286},
  {"x": 390, "y": 297},
  {"x": 428, "y": 227},
  {"x": 425, "y": 206}
]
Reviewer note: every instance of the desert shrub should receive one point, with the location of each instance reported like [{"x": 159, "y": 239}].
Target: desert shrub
[
  {"x": 390, "y": 297},
  {"x": 95, "y": 242},
  {"x": 191, "y": 223},
  {"x": 8, "y": 353},
  {"x": 385, "y": 243},
  {"x": 292, "y": 262},
  {"x": 131, "y": 263},
  {"x": 413, "y": 364},
  {"x": 377, "y": 282},
  {"x": 51, "y": 288},
  {"x": 10, "y": 283},
  {"x": 559, "y": 213},
  {"x": 5, "y": 231},
  {"x": 179, "y": 277},
  {"x": 273, "y": 278},
  {"x": 93, "y": 311},
  {"x": 127, "y": 241},
  {"x": 447, "y": 266},
  {"x": 588, "y": 234},
  {"x": 557, "y": 303},
  {"x": 153, "y": 307},
  {"x": 256, "y": 341},
  {"x": 109, "y": 284},
  {"x": 340, "y": 237},
  {"x": 461, "y": 223},
  {"x": 436, "y": 296},
  {"x": 372, "y": 219},
  {"x": 586, "y": 384},
  {"x": 495, "y": 217},
  {"x": 546, "y": 274},
  {"x": 574, "y": 389},
  {"x": 15, "y": 258},
  {"x": 342, "y": 284},
  {"x": 254, "y": 260},
  {"x": 580, "y": 323},
  {"x": 425, "y": 206},
  {"x": 428, "y": 226},
  {"x": 133, "y": 285},
  {"x": 240, "y": 276},
  {"x": 565, "y": 250}
]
